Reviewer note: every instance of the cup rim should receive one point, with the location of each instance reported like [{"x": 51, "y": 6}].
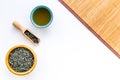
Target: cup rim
[
  {"x": 32, "y": 12},
  {"x": 20, "y": 73}
]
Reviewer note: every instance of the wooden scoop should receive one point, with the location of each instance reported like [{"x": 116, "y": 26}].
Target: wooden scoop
[{"x": 30, "y": 36}]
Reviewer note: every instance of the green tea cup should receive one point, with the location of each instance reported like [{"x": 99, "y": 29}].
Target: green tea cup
[{"x": 41, "y": 16}]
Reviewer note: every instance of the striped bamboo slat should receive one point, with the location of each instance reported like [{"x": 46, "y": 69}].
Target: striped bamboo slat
[{"x": 102, "y": 17}]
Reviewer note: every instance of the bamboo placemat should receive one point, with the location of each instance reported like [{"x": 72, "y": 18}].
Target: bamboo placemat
[{"x": 101, "y": 17}]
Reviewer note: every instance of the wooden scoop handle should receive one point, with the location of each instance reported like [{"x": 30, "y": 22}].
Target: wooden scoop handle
[{"x": 19, "y": 26}]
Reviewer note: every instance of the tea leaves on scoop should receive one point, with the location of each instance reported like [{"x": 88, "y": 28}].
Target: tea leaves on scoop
[{"x": 31, "y": 36}]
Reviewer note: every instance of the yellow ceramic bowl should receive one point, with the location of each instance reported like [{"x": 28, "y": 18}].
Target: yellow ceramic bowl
[{"x": 20, "y": 73}]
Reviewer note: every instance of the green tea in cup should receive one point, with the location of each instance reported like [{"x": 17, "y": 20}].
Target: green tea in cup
[{"x": 41, "y": 16}]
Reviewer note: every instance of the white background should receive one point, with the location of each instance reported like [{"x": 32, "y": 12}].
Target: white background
[{"x": 67, "y": 51}]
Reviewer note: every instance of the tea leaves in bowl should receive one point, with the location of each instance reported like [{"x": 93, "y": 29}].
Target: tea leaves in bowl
[{"x": 21, "y": 59}]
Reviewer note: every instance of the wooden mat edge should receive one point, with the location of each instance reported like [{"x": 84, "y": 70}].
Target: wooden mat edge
[{"x": 83, "y": 22}]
